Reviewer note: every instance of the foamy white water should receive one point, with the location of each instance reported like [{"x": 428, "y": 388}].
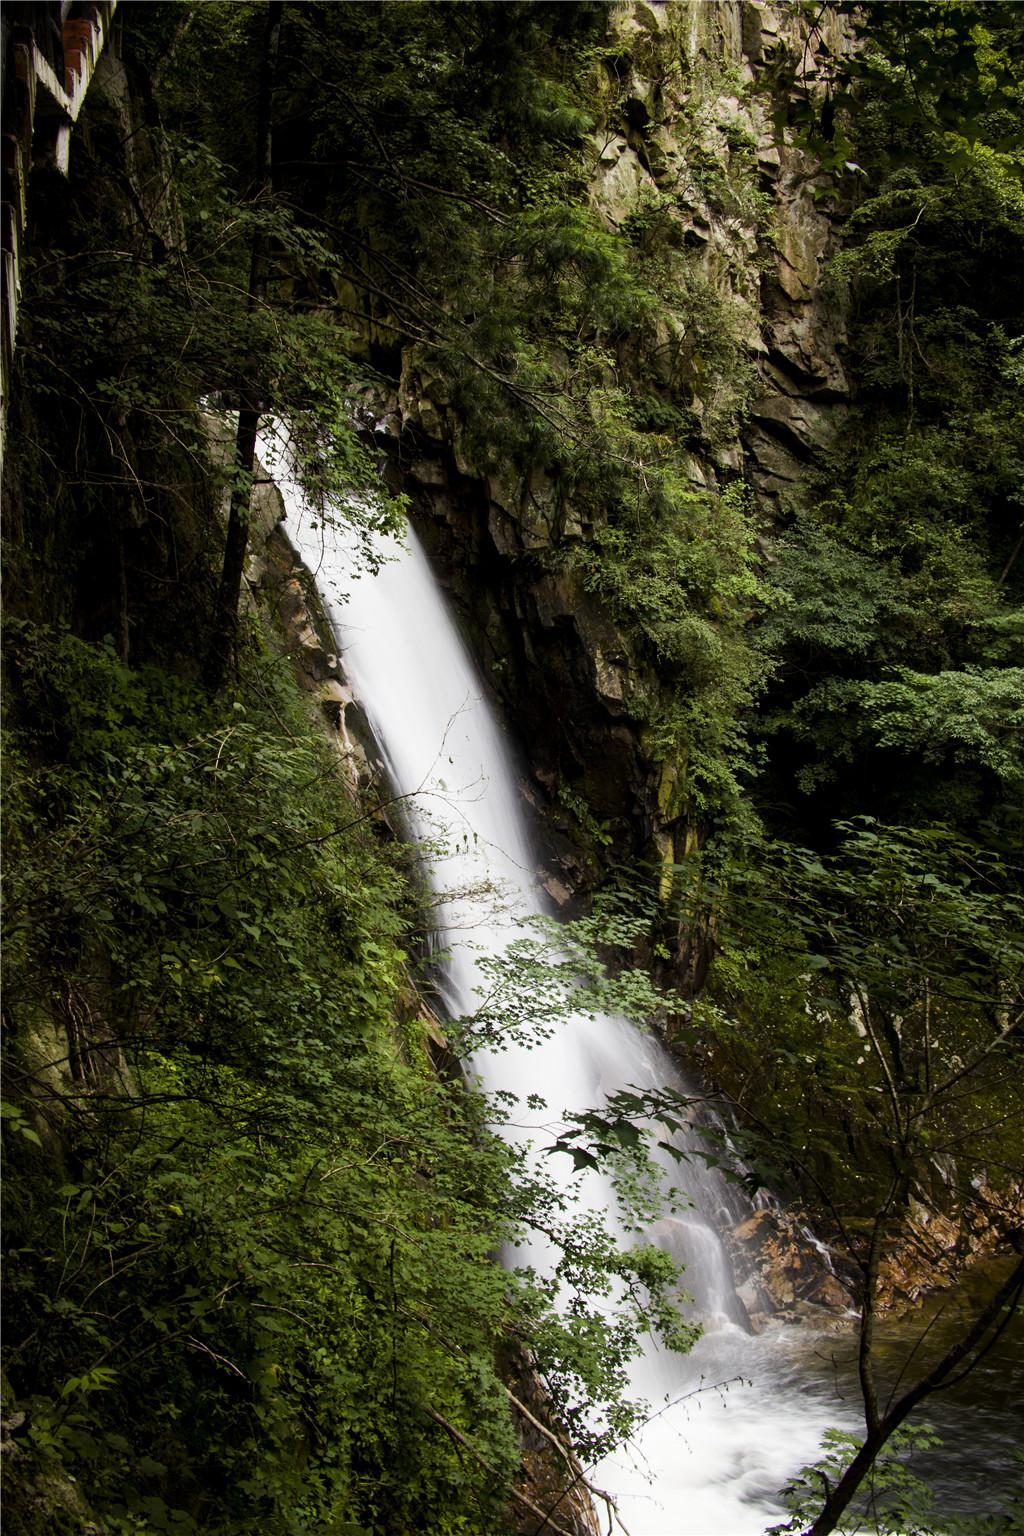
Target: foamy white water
[{"x": 739, "y": 1420}]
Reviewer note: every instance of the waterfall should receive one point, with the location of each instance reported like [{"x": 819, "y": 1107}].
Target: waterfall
[{"x": 733, "y": 1419}]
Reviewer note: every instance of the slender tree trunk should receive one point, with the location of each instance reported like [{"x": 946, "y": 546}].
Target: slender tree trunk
[
  {"x": 865, "y": 1347},
  {"x": 221, "y": 655},
  {"x": 1008, "y": 567},
  {"x": 123, "y": 630},
  {"x": 966, "y": 1353}
]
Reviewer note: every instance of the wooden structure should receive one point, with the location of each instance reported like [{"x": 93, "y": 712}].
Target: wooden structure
[{"x": 50, "y": 50}]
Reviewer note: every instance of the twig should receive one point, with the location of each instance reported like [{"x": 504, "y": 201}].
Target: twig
[{"x": 467, "y": 1444}]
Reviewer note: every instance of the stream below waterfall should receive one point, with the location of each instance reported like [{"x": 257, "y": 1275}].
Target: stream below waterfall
[{"x": 744, "y": 1412}]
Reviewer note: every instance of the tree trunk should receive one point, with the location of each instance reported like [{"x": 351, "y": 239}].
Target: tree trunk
[
  {"x": 985, "y": 1328},
  {"x": 221, "y": 656}
]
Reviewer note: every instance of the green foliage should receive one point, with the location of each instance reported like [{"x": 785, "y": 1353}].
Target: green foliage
[
  {"x": 234, "y": 1221},
  {"x": 692, "y": 570},
  {"x": 145, "y": 286},
  {"x": 892, "y": 651},
  {"x": 556, "y": 969},
  {"x": 895, "y": 1496},
  {"x": 943, "y": 66},
  {"x": 588, "y": 829},
  {"x": 248, "y": 1224},
  {"x": 895, "y": 1500},
  {"x": 441, "y": 190},
  {"x": 899, "y": 586},
  {"x": 834, "y": 602},
  {"x": 883, "y": 982},
  {"x": 972, "y": 715},
  {"x": 677, "y": 569},
  {"x": 251, "y": 1237}
]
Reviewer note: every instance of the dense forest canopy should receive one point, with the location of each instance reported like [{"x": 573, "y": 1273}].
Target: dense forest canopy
[{"x": 251, "y": 1225}]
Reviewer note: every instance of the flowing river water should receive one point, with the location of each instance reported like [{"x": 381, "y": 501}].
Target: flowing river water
[{"x": 734, "y": 1419}]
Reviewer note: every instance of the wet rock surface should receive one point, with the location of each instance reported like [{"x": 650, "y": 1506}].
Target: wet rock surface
[
  {"x": 785, "y": 1272},
  {"x": 686, "y": 132},
  {"x": 313, "y": 649},
  {"x": 930, "y": 1251}
]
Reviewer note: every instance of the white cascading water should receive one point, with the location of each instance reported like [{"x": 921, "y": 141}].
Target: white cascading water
[{"x": 739, "y": 1420}]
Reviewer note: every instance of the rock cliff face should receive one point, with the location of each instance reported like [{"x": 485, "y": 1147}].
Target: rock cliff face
[{"x": 685, "y": 135}]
